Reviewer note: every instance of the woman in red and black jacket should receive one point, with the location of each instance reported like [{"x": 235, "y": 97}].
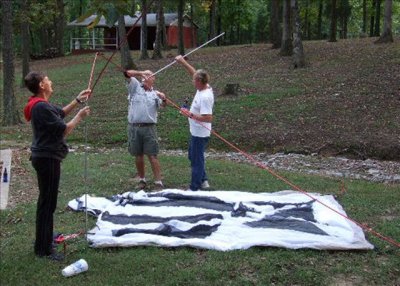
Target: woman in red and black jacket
[{"x": 48, "y": 150}]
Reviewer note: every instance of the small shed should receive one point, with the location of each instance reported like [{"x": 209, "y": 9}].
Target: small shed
[{"x": 105, "y": 37}]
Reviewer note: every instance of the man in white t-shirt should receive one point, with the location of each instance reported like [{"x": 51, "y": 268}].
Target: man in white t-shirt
[{"x": 200, "y": 118}]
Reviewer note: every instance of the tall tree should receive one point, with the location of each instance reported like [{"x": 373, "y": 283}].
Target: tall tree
[
  {"x": 372, "y": 19},
  {"x": 333, "y": 28},
  {"x": 159, "y": 31},
  {"x": 219, "y": 23},
  {"x": 275, "y": 32},
  {"x": 213, "y": 16},
  {"x": 143, "y": 32},
  {"x": 344, "y": 14},
  {"x": 286, "y": 45},
  {"x": 377, "y": 27},
  {"x": 181, "y": 45},
  {"x": 298, "y": 51},
  {"x": 59, "y": 24},
  {"x": 10, "y": 113},
  {"x": 25, "y": 44},
  {"x": 306, "y": 30},
  {"x": 364, "y": 23},
  {"x": 319, "y": 21},
  {"x": 126, "y": 58},
  {"x": 387, "y": 36}
]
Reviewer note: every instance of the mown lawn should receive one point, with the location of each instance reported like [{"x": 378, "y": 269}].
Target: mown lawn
[
  {"x": 110, "y": 172},
  {"x": 335, "y": 106}
]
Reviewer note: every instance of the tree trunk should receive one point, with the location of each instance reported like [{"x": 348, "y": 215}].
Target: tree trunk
[
  {"x": 164, "y": 42},
  {"x": 59, "y": 27},
  {"x": 377, "y": 18},
  {"x": 298, "y": 51},
  {"x": 219, "y": 22},
  {"x": 307, "y": 32},
  {"x": 274, "y": 25},
  {"x": 387, "y": 36},
  {"x": 213, "y": 14},
  {"x": 157, "y": 45},
  {"x": 143, "y": 32},
  {"x": 10, "y": 113},
  {"x": 372, "y": 20},
  {"x": 126, "y": 59},
  {"x": 181, "y": 46},
  {"x": 319, "y": 23},
  {"x": 364, "y": 24},
  {"x": 25, "y": 53},
  {"x": 332, "y": 32},
  {"x": 287, "y": 45}
]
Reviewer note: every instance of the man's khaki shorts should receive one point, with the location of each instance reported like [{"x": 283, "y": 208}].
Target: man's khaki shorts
[{"x": 142, "y": 140}]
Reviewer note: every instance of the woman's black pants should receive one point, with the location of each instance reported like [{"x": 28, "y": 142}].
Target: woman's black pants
[{"x": 48, "y": 174}]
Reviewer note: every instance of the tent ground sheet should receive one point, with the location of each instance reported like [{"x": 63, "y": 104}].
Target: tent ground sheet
[{"x": 220, "y": 220}]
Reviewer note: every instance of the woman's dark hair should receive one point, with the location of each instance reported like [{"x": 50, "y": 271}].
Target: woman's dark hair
[{"x": 32, "y": 81}]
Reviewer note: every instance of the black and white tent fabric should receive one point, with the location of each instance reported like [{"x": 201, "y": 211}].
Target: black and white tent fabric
[{"x": 220, "y": 220}]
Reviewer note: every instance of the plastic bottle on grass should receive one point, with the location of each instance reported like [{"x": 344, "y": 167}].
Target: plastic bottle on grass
[{"x": 75, "y": 268}]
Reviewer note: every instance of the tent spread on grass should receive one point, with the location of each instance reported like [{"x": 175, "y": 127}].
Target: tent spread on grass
[{"x": 220, "y": 220}]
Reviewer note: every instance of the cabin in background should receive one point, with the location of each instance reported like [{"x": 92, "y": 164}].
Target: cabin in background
[{"x": 104, "y": 37}]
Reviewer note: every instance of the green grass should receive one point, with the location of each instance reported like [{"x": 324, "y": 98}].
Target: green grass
[
  {"x": 110, "y": 172},
  {"x": 273, "y": 99}
]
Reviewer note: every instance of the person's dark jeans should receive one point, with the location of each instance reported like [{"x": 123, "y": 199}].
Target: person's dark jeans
[
  {"x": 48, "y": 174},
  {"x": 197, "y": 147}
]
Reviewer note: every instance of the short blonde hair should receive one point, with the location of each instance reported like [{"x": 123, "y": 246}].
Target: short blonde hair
[{"x": 202, "y": 76}]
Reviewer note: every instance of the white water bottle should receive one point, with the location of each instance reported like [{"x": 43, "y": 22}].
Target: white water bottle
[{"x": 75, "y": 268}]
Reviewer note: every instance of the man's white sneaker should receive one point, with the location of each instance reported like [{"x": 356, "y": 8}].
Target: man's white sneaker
[{"x": 205, "y": 185}]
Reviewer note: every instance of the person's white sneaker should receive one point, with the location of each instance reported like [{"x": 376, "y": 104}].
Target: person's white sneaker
[{"x": 205, "y": 185}]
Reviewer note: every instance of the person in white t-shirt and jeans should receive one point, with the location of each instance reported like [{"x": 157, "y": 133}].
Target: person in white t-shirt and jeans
[{"x": 200, "y": 117}]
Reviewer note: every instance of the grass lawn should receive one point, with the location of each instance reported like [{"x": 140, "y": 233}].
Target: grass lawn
[
  {"x": 110, "y": 172},
  {"x": 334, "y": 106}
]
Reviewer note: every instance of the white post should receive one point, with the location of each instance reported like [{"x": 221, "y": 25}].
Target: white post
[
  {"x": 93, "y": 40},
  {"x": 116, "y": 39}
]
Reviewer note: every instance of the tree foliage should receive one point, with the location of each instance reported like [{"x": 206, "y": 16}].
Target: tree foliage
[{"x": 243, "y": 21}]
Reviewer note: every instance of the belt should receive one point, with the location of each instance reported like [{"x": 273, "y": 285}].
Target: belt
[{"x": 143, "y": 124}]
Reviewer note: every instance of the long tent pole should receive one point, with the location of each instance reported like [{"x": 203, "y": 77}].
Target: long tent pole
[{"x": 192, "y": 51}]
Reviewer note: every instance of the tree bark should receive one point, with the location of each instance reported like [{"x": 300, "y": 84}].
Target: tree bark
[
  {"x": 25, "y": 41},
  {"x": 157, "y": 45},
  {"x": 298, "y": 51},
  {"x": 164, "y": 42},
  {"x": 213, "y": 14},
  {"x": 274, "y": 25},
  {"x": 387, "y": 36},
  {"x": 372, "y": 20},
  {"x": 10, "y": 113},
  {"x": 59, "y": 27},
  {"x": 333, "y": 29},
  {"x": 181, "y": 46},
  {"x": 219, "y": 23},
  {"x": 287, "y": 45},
  {"x": 377, "y": 28},
  {"x": 126, "y": 59},
  {"x": 143, "y": 32},
  {"x": 364, "y": 24},
  {"x": 319, "y": 22}
]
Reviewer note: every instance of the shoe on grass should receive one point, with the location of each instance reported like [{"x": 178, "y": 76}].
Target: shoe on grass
[
  {"x": 158, "y": 187},
  {"x": 142, "y": 185},
  {"x": 205, "y": 185}
]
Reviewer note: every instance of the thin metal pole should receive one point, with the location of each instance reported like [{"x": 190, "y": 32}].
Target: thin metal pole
[
  {"x": 85, "y": 179},
  {"x": 86, "y": 143},
  {"x": 192, "y": 51}
]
